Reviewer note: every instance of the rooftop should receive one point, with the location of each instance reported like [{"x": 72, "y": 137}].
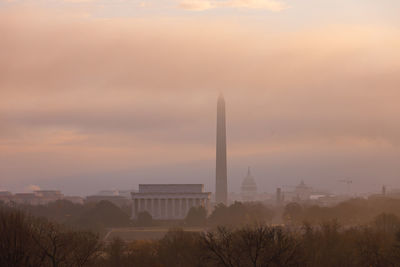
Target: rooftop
[{"x": 171, "y": 188}]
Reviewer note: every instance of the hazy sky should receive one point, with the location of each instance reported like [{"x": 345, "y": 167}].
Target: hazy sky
[{"x": 108, "y": 94}]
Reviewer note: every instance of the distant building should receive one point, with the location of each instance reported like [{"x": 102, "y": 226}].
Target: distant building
[
  {"x": 48, "y": 195},
  {"x": 113, "y": 192},
  {"x": 74, "y": 199},
  {"x": 37, "y": 197},
  {"x": 302, "y": 191},
  {"x": 126, "y": 193},
  {"x": 249, "y": 188},
  {"x": 115, "y": 199},
  {"x": 26, "y": 198},
  {"x": 169, "y": 201}
]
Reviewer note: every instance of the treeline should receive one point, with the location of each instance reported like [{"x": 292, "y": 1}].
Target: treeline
[
  {"x": 99, "y": 216},
  {"x": 234, "y": 215},
  {"x": 28, "y": 241},
  {"x": 89, "y": 216},
  {"x": 352, "y": 212},
  {"x": 328, "y": 245}
]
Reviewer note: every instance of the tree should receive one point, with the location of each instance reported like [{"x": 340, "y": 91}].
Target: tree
[
  {"x": 387, "y": 222},
  {"x": 221, "y": 249},
  {"x": 197, "y": 216},
  {"x": 103, "y": 214},
  {"x": 61, "y": 246},
  {"x": 144, "y": 219},
  {"x": 252, "y": 246},
  {"x": 115, "y": 251},
  {"x": 240, "y": 214},
  {"x": 17, "y": 248},
  {"x": 180, "y": 249},
  {"x": 143, "y": 253},
  {"x": 28, "y": 241},
  {"x": 87, "y": 248},
  {"x": 293, "y": 212}
]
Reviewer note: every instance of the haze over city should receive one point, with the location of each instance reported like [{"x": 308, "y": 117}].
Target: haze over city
[{"x": 109, "y": 94}]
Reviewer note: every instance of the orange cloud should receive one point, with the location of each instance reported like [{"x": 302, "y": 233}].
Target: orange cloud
[
  {"x": 200, "y": 5},
  {"x": 81, "y": 95}
]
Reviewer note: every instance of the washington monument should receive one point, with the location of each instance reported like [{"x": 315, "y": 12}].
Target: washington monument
[{"x": 221, "y": 187}]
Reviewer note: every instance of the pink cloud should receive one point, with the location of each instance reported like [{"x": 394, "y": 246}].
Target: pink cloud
[{"x": 200, "y": 5}]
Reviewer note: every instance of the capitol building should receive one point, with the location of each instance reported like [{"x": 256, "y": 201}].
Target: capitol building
[{"x": 249, "y": 188}]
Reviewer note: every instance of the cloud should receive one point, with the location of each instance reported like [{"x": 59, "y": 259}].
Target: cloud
[
  {"x": 100, "y": 95},
  {"x": 197, "y": 5},
  {"x": 79, "y": 1},
  {"x": 200, "y": 5}
]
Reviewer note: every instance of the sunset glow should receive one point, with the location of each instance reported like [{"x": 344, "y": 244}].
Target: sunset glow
[{"x": 98, "y": 94}]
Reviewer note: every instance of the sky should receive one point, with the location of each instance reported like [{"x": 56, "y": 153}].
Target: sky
[{"x": 105, "y": 94}]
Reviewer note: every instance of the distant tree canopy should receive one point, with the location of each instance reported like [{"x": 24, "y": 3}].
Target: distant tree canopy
[
  {"x": 62, "y": 211},
  {"x": 103, "y": 214},
  {"x": 352, "y": 212},
  {"x": 197, "y": 216},
  {"x": 293, "y": 212},
  {"x": 240, "y": 214},
  {"x": 179, "y": 248},
  {"x": 327, "y": 245},
  {"x": 36, "y": 242},
  {"x": 28, "y": 241},
  {"x": 98, "y": 216},
  {"x": 252, "y": 246},
  {"x": 387, "y": 223},
  {"x": 144, "y": 219},
  {"x": 93, "y": 216}
]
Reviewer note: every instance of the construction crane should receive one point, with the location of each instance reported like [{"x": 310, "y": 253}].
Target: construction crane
[{"x": 348, "y": 182}]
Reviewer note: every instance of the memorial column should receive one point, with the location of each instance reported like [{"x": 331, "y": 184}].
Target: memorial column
[
  {"x": 152, "y": 207},
  {"x": 180, "y": 208},
  {"x": 133, "y": 215}
]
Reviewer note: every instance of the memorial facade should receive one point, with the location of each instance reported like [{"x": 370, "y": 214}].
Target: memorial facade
[{"x": 169, "y": 201}]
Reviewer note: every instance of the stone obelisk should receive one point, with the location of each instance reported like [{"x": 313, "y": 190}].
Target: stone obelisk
[{"x": 221, "y": 187}]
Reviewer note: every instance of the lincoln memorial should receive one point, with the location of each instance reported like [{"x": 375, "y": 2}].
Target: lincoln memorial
[{"x": 169, "y": 201}]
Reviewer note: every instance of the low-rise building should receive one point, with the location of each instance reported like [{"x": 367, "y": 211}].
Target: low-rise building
[
  {"x": 37, "y": 197},
  {"x": 26, "y": 198}
]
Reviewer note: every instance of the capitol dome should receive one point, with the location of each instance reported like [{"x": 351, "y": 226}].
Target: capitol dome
[{"x": 249, "y": 187}]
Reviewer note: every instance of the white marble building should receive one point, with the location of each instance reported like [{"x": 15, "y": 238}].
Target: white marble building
[{"x": 169, "y": 201}]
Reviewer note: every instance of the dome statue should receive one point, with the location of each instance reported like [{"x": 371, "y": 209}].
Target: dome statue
[{"x": 249, "y": 187}]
